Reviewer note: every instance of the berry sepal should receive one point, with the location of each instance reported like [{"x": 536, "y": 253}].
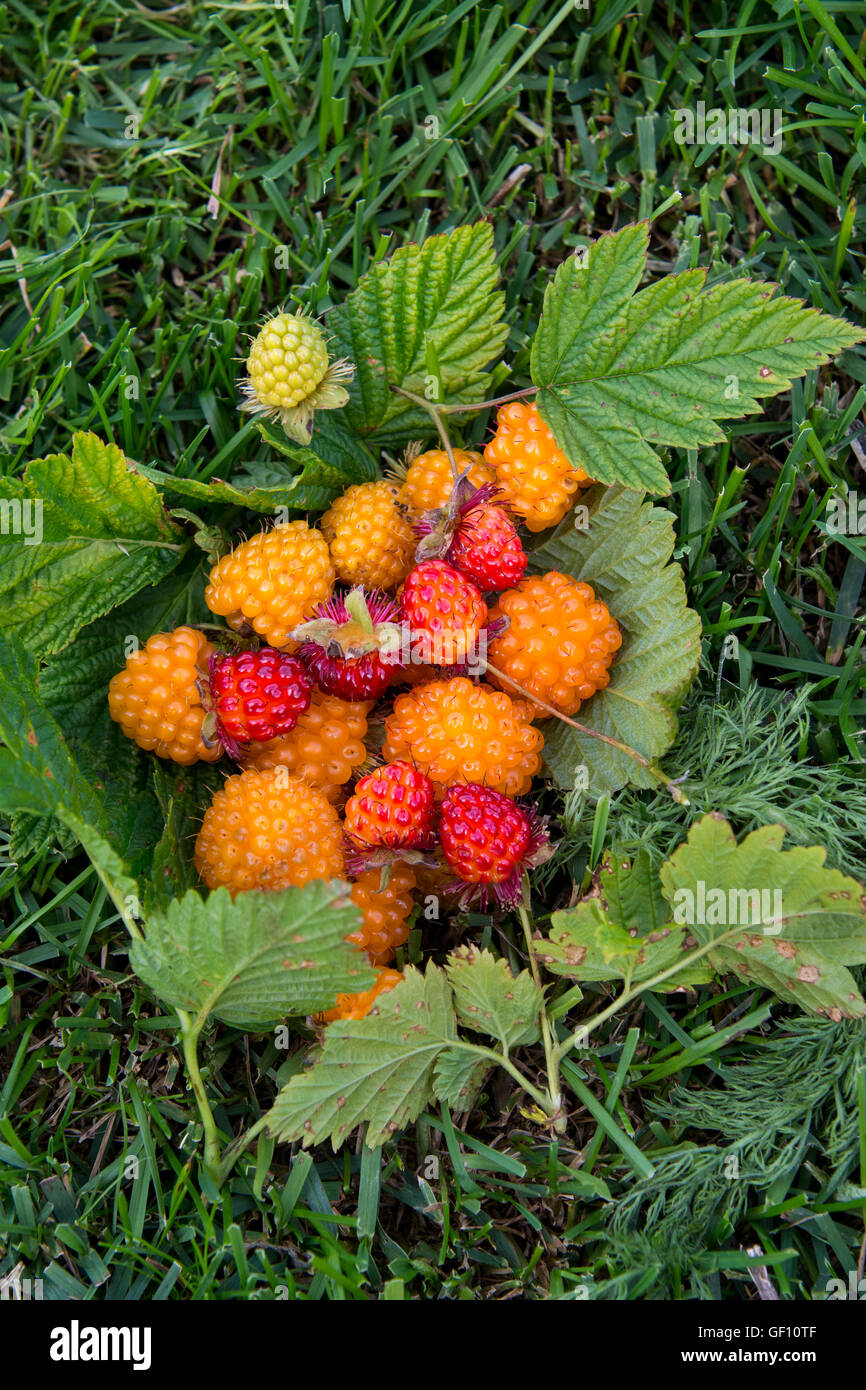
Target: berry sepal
[{"x": 350, "y": 647}]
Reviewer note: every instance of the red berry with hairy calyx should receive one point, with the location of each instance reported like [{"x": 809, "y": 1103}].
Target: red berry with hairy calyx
[
  {"x": 487, "y": 548},
  {"x": 444, "y": 611},
  {"x": 475, "y": 535},
  {"x": 258, "y": 695},
  {"x": 488, "y": 840},
  {"x": 352, "y": 646},
  {"x": 393, "y": 808}
]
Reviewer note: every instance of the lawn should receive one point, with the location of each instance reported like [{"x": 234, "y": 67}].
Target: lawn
[{"x": 173, "y": 174}]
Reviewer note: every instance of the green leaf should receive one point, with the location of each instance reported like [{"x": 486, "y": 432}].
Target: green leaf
[
  {"x": 781, "y": 918},
  {"x": 458, "y": 1077},
  {"x": 104, "y": 536},
  {"x": 625, "y": 555},
  {"x": 38, "y": 773},
  {"x": 74, "y": 689},
  {"x": 585, "y": 944},
  {"x": 489, "y": 999},
  {"x": 256, "y": 960},
  {"x": 377, "y": 1070},
  {"x": 428, "y": 320},
  {"x": 620, "y": 374}
]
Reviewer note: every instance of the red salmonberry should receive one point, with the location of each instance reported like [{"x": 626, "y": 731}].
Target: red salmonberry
[
  {"x": 352, "y": 647},
  {"x": 444, "y": 612},
  {"x": 488, "y": 840},
  {"x": 258, "y": 695},
  {"x": 393, "y": 807}
]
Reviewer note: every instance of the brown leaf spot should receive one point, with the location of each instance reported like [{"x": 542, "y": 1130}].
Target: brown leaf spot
[
  {"x": 764, "y": 371},
  {"x": 808, "y": 974},
  {"x": 575, "y": 955},
  {"x": 756, "y": 941},
  {"x": 341, "y": 1101},
  {"x": 786, "y": 949},
  {"x": 31, "y": 738},
  {"x": 835, "y": 1014}
]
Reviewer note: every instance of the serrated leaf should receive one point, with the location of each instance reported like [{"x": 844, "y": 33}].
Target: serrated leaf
[
  {"x": 458, "y": 1077},
  {"x": 585, "y": 944},
  {"x": 788, "y": 923},
  {"x": 432, "y": 313},
  {"x": 625, "y": 555},
  {"x": 631, "y": 893},
  {"x": 257, "y": 959},
  {"x": 38, "y": 774},
  {"x": 74, "y": 689},
  {"x": 621, "y": 374},
  {"x": 377, "y": 1070},
  {"x": 489, "y": 999},
  {"x": 105, "y": 535}
]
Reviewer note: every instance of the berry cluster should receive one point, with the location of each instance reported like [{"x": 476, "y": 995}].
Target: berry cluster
[{"x": 410, "y": 591}]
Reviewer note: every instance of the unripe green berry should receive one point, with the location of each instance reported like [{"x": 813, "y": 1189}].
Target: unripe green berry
[{"x": 287, "y": 361}]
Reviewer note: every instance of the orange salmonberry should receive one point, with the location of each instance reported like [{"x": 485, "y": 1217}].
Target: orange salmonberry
[
  {"x": 268, "y": 830},
  {"x": 370, "y": 536},
  {"x": 356, "y": 1006},
  {"x": 386, "y": 911},
  {"x": 157, "y": 697},
  {"x": 560, "y": 641},
  {"x": 272, "y": 581},
  {"x": 325, "y": 748},
  {"x": 456, "y": 731},
  {"x": 429, "y": 480},
  {"x": 534, "y": 477}
]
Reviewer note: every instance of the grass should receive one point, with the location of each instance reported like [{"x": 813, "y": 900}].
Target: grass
[{"x": 171, "y": 172}]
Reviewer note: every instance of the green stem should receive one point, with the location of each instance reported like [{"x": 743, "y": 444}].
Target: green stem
[
  {"x": 676, "y": 792},
  {"x": 498, "y": 1059},
  {"x": 434, "y": 412},
  {"x": 190, "y": 1035},
  {"x": 584, "y": 1029},
  {"x": 234, "y": 1150},
  {"x": 550, "y": 1051}
]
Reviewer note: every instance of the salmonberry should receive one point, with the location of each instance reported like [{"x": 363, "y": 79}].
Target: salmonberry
[
  {"x": 291, "y": 376},
  {"x": 352, "y": 646},
  {"x": 268, "y": 830},
  {"x": 324, "y": 749},
  {"x": 272, "y": 581},
  {"x": 258, "y": 695},
  {"x": 475, "y": 536},
  {"x": 444, "y": 612},
  {"x": 386, "y": 911},
  {"x": 487, "y": 548},
  {"x": 455, "y": 731},
  {"x": 357, "y": 1006},
  {"x": 533, "y": 474},
  {"x": 392, "y": 807},
  {"x": 157, "y": 698},
  {"x": 370, "y": 536},
  {"x": 560, "y": 640},
  {"x": 429, "y": 479},
  {"x": 488, "y": 840}
]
